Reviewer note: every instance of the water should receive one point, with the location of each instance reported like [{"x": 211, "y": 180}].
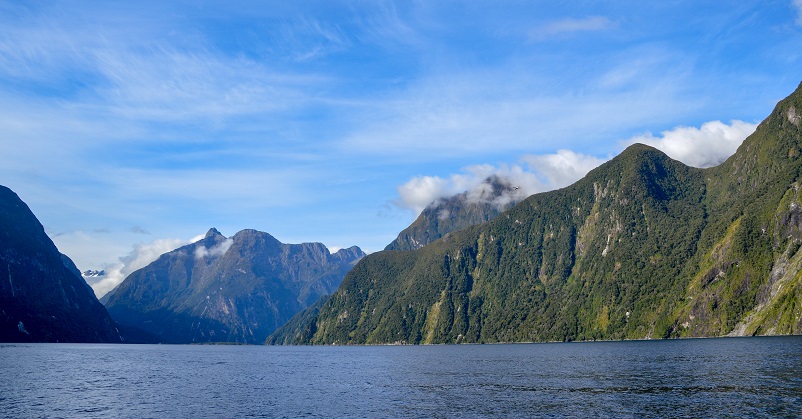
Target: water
[{"x": 743, "y": 377}]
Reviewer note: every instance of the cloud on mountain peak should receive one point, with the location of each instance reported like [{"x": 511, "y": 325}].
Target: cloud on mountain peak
[
  {"x": 536, "y": 173},
  {"x": 706, "y": 146},
  {"x": 216, "y": 250}
]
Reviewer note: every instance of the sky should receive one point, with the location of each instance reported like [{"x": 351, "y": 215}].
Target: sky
[{"x": 131, "y": 128}]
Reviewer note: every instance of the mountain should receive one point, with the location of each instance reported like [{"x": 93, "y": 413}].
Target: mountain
[
  {"x": 42, "y": 295},
  {"x": 481, "y": 204},
  {"x": 443, "y": 216},
  {"x": 219, "y": 289},
  {"x": 642, "y": 247},
  {"x": 93, "y": 273}
]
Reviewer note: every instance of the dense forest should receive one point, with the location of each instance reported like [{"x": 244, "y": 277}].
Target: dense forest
[{"x": 642, "y": 247}]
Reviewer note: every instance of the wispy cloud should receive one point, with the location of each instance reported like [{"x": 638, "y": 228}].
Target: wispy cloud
[
  {"x": 480, "y": 113},
  {"x": 383, "y": 25},
  {"x": 106, "y": 69},
  {"x": 798, "y": 6},
  {"x": 307, "y": 38},
  {"x": 571, "y": 25},
  {"x": 174, "y": 85},
  {"x": 174, "y": 117},
  {"x": 138, "y": 230}
]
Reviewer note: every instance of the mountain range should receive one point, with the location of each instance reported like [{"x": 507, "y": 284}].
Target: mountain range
[
  {"x": 219, "y": 289},
  {"x": 43, "y": 297},
  {"x": 642, "y": 247}
]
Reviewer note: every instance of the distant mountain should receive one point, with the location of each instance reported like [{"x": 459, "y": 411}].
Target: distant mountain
[
  {"x": 219, "y": 289},
  {"x": 93, "y": 273},
  {"x": 642, "y": 247},
  {"x": 480, "y": 204},
  {"x": 42, "y": 295}
]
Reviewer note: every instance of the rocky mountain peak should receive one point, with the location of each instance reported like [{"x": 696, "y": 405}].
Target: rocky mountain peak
[
  {"x": 353, "y": 253},
  {"x": 212, "y": 232},
  {"x": 219, "y": 289}
]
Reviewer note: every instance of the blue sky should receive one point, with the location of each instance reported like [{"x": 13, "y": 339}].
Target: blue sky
[{"x": 130, "y": 128}]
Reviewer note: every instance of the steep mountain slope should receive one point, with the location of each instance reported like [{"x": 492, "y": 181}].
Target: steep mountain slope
[
  {"x": 219, "y": 289},
  {"x": 479, "y": 205},
  {"x": 42, "y": 295},
  {"x": 642, "y": 247},
  {"x": 443, "y": 216}
]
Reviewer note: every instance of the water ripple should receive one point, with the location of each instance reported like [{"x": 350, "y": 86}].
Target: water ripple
[{"x": 754, "y": 377}]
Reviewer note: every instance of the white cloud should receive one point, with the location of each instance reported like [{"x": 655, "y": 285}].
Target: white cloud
[
  {"x": 141, "y": 255},
  {"x": 419, "y": 192},
  {"x": 706, "y": 146},
  {"x": 217, "y": 250},
  {"x": 563, "y": 167},
  {"x": 538, "y": 174}
]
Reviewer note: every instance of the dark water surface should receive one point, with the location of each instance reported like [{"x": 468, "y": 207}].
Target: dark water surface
[{"x": 739, "y": 377}]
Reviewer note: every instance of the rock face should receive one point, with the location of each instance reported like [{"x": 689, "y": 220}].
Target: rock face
[
  {"x": 642, "y": 247},
  {"x": 42, "y": 295},
  {"x": 447, "y": 215},
  {"x": 219, "y": 289}
]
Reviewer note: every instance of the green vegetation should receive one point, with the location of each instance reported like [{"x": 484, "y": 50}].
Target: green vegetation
[{"x": 642, "y": 247}]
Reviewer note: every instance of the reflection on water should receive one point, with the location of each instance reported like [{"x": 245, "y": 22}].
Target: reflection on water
[{"x": 743, "y": 377}]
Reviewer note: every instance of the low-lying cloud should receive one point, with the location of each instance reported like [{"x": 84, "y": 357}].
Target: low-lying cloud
[
  {"x": 535, "y": 173},
  {"x": 421, "y": 191},
  {"x": 141, "y": 255},
  {"x": 217, "y": 250}
]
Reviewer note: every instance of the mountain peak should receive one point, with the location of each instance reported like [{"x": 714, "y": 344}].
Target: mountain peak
[
  {"x": 638, "y": 149},
  {"x": 212, "y": 232},
  {"x": 238, "y": 289},
  {"x": 351, "y": 253}
]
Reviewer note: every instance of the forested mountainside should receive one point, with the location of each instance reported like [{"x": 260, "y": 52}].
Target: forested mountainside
[
  {"x": 443, "y": 216},
  {"x": 642, "y": 247},
  {"x": 219, "y": 289},
  {"x": 43, "y": 297}
]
